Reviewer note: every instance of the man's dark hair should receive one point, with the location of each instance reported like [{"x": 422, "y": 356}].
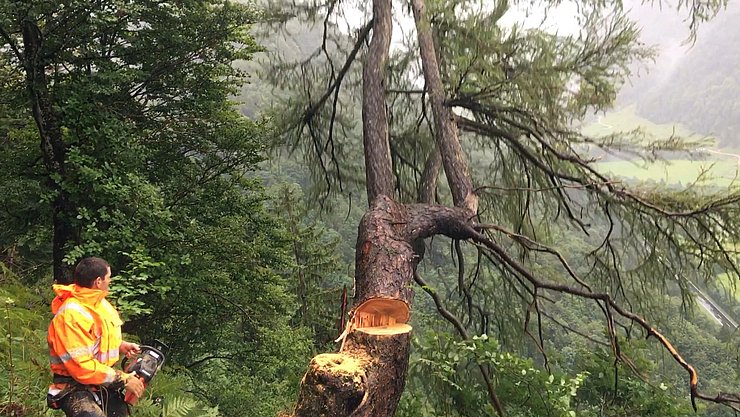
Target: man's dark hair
[{"x": 88, "y": 269}]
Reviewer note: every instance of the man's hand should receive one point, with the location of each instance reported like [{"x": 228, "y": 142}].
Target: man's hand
[
  {"x": 133, "y": 385},
  {"x": 129, "y": 349}
]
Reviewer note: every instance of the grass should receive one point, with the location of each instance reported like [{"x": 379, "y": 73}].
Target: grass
[
  {"x": 723, "y": 170},
  {"x": 626, "y": 120},
  {"x": 680, "y": 171}
]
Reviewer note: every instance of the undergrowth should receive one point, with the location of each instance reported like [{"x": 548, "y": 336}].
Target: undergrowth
[{"x": 24, "y": 367}]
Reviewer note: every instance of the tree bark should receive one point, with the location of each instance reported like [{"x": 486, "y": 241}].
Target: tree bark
[
  {"x": 378, "y": 171},
  {"x": 453, "y": 157},
  {"x": 367, "y": 376},
  {"x": 53, "y": 148},
  {"x": 428, "y": 183}
]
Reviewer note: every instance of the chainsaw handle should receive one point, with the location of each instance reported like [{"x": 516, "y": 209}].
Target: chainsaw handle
[{"x": 132, "y": 398}]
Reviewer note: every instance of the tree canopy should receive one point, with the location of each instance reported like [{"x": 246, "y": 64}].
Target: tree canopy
[
  {"x": 496, "y": 107},
  {"x": 119, "y": 139},
  {"x": 444, "y": 136}
]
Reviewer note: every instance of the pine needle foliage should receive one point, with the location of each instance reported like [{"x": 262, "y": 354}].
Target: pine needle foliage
[{"x": 550, "y": 220}]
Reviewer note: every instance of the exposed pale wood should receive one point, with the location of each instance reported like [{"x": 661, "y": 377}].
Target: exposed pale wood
[
  {"x": 360, "y": 381},
  {"x": 334, "y": 385},
  {"x": 386, "y": 330},
  {"x": 397, "y": 310}
]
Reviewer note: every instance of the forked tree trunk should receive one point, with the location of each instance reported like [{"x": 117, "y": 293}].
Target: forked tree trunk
[{"x": 367, "y": 376}]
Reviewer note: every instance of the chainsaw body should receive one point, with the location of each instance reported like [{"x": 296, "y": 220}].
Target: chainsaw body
[{"x": 145, "y": 366}]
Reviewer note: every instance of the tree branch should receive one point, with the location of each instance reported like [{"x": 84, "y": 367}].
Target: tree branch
[
  {"x": 723, "y": 398},
  {"x": 492, "y": 397},
  {"x": 313, "y": 109},
  {"x": 12, "y": 43}
]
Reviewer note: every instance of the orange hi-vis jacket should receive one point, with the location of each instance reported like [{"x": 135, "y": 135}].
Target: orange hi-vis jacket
[{"x": 84, "y": 336}]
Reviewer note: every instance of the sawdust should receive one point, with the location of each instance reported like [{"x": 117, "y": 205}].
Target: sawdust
[
  {"x": 339, "y": 364},
  {"x": 342, "y": 366}
]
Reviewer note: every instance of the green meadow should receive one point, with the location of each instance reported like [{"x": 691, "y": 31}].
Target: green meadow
[
  {"x": 725, "y": 281},
  {"x": 626, "y": 120},
  {"x": 720, "y": 168},
  {"x": 677, "y": 171}
]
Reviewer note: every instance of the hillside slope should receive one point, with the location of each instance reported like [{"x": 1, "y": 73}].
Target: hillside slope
[{"x": 702, "y": 90}]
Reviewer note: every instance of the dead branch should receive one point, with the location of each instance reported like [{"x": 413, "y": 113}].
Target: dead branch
[{"x": 732, "y": 400}]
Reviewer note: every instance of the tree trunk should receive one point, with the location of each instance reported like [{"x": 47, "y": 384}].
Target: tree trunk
[
  {"x": 428, "y": 184},
  {"x": 367, "y": 376},
  {"x": 53, "y": 149},
  {"x": 378, "y": 172},
  {"x": 453, "y": 158}
]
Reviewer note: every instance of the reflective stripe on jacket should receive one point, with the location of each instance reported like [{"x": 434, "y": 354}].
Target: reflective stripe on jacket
[{"x": 84, "y": 335}]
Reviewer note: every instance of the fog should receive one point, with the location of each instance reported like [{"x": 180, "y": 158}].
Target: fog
[{"x": 692, "y": 80}]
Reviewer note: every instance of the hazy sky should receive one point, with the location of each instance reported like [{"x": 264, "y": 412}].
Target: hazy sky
[{"x": 663, "y": 27}]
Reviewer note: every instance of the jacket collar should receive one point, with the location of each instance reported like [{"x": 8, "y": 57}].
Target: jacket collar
[{"x": 86, "y": 296}]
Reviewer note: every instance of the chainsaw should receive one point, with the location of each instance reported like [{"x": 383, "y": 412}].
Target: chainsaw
[{"x": 145, "y": 365}]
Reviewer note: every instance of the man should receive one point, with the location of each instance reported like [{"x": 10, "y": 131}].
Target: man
[{"x": 84, "y": 343}]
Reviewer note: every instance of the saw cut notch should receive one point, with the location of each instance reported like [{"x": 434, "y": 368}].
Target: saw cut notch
[{"x": 382, "y": 316}]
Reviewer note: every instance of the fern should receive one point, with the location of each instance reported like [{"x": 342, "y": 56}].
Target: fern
[
  {"x": 187, "y": 407},
  {"x": 178, "y": 407}
]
